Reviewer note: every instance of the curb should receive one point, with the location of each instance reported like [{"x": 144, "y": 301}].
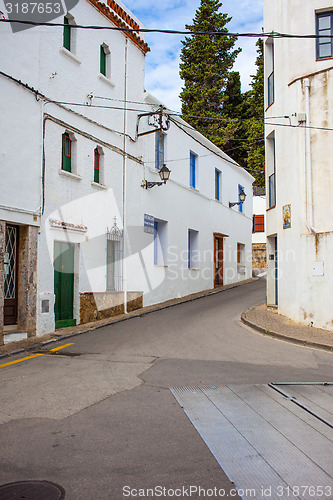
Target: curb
[
  {"x": 285, "y": 338},
  {"x": 126, "y": 318}
]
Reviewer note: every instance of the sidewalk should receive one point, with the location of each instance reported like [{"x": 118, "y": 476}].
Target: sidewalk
[
  {"x": 64, "y": 333},
  {"x": 275, "y": 325}
]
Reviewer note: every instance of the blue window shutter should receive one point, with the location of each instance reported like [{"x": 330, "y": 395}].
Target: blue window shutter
[
  {"x": 189, "y": 249},
  {"x": 155, "y": 241},
  {"x": 192, "y": 169},
  {"x": 240, "y": 206}
]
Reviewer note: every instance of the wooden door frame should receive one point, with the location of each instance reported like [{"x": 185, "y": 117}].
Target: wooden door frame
[{"x": 218, "y": 236}]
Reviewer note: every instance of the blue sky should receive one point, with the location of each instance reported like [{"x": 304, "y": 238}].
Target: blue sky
[{"x": 162, "y": 63}]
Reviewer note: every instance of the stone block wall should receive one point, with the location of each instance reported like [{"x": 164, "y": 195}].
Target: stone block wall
[
  {"x": 259, "y": 258},
  {"x": 101, "y": 305},
  {"x": 27, "y": 281}
]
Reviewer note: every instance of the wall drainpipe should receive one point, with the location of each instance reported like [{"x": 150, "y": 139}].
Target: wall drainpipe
[
  {"x": 124, "y": 183},
  {"x": 308, "y": 162}
]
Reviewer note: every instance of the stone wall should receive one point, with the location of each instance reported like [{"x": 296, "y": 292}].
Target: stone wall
[
  {"x": 27, "y": 280},
  {"x": 101, "y": 305},
  {"x": 2, "y": 276},
  {"x": 259, "y": 259}
]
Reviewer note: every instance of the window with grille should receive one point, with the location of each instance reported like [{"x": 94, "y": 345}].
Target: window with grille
[{"x": 114, "y": 259}]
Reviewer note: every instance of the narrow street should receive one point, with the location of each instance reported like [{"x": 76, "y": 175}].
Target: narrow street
[{"x": 99, "y": 415}]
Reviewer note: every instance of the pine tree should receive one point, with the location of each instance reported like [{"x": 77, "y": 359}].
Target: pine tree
[
  {"x": 255, "y": 161},
  {"x": 207, "y": 61}
]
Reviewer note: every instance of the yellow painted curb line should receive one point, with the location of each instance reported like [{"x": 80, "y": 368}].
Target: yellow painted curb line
[{"x": 35, "y": 355}]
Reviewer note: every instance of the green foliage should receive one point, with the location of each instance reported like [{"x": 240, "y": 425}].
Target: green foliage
[
  {"x": 212, "y": 100},
  {"x": 206, "y": 64},
  {"x": 255, "y": 103}
]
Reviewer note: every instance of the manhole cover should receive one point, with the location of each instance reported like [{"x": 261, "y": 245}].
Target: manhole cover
[{"x": 32, "y": 490}]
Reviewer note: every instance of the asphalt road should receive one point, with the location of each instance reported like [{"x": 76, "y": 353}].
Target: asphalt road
[{"x": 99, "y": 416}]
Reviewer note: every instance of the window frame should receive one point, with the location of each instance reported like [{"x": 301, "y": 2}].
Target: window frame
[
  {"x": 258, "y": 225},
  {"x": 240, "y": 206},
  {"x": 97, "y": 160},
  {"x": 218, "y": 177},
  {"x": 320, "y": 15},
  {"x": 193, "y": 170},
  {"x": 159, "y": 149},
  {"x": 66, "y": 162},
  {"x": 67, "y": 34}
]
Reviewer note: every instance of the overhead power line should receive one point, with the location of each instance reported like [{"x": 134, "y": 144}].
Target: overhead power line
[{"x": 272, "y": 34}]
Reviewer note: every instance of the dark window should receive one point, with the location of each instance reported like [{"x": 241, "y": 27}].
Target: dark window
[
  {"x": 67, "y": 34},
  {"x": 271, "y": 88},
  {"x": 217, "y": 185},
  {"x": 159, "y": 150},
  {"x": 272, "y": 191},
  {"x": 66, "y": 153},
  {"x": 103, "y": 61},
  {"x": 258, "y": 224},
  {"x": 193, "y": 161},
  {"x": 96, "y": 165},
  {"x": 324, "y": 24},
  {"x": 240, "y": 206}
]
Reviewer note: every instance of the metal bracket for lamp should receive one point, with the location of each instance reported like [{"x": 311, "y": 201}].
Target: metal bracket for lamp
[
  {"x": 164, "y": 175},
  {"x": 242, "y": 197}
]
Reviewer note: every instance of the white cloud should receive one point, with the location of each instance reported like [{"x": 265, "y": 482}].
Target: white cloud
[{"x": 162, "y": 63}]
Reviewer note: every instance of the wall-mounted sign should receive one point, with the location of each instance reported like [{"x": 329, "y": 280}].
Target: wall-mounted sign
[
  {"x": 148, "y": 224},
  {"x": 68, "y": 226},
  {"x": 286, "y": 213}
]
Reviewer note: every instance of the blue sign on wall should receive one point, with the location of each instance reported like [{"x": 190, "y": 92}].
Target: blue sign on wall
[{"x": 148, "y": 224}]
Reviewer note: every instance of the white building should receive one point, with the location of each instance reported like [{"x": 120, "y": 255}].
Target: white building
[
  {"x": 73, "y": 161},
  {"x": 299, "y": 172}
]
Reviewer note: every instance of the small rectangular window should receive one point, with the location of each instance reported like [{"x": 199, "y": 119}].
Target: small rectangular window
[
  {"x": 193, "y": 168},
  {"x": 67, "y": 34},
  {"x": 159, "y": 150},
  {"x": 96, "y": 165},
  {"x": 258, "y": 224},
  {"x": 324, "y": 25},
  {"x": 193, "y": 249},
  {"x": 240, "y": 206},
  {"x": 241, "y": 258},
  {"x": 160, "y": 242},
  {"x": 66, "y": 153},
  {"x": 102, "y": 61},
  {"x": 217, "y": 185},
  {"x": 269, "y": 65}
]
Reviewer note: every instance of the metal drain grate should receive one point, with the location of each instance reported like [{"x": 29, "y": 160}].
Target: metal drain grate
[{"x": 32, "y": 490}]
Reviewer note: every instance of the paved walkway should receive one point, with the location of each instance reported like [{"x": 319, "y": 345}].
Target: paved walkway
[{"x": 275, "y": 325}]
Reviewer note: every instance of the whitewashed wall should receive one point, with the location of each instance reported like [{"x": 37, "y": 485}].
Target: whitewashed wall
[{"x": 302, "y": 296}]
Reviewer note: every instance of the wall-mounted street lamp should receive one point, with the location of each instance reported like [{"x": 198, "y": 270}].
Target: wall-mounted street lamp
[
  {"x": 242, "y": 197},
  {"x": 164, "y": 175}
]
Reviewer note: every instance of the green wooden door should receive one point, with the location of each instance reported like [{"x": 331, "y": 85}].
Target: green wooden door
[{"x": 63, "y": 284}]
